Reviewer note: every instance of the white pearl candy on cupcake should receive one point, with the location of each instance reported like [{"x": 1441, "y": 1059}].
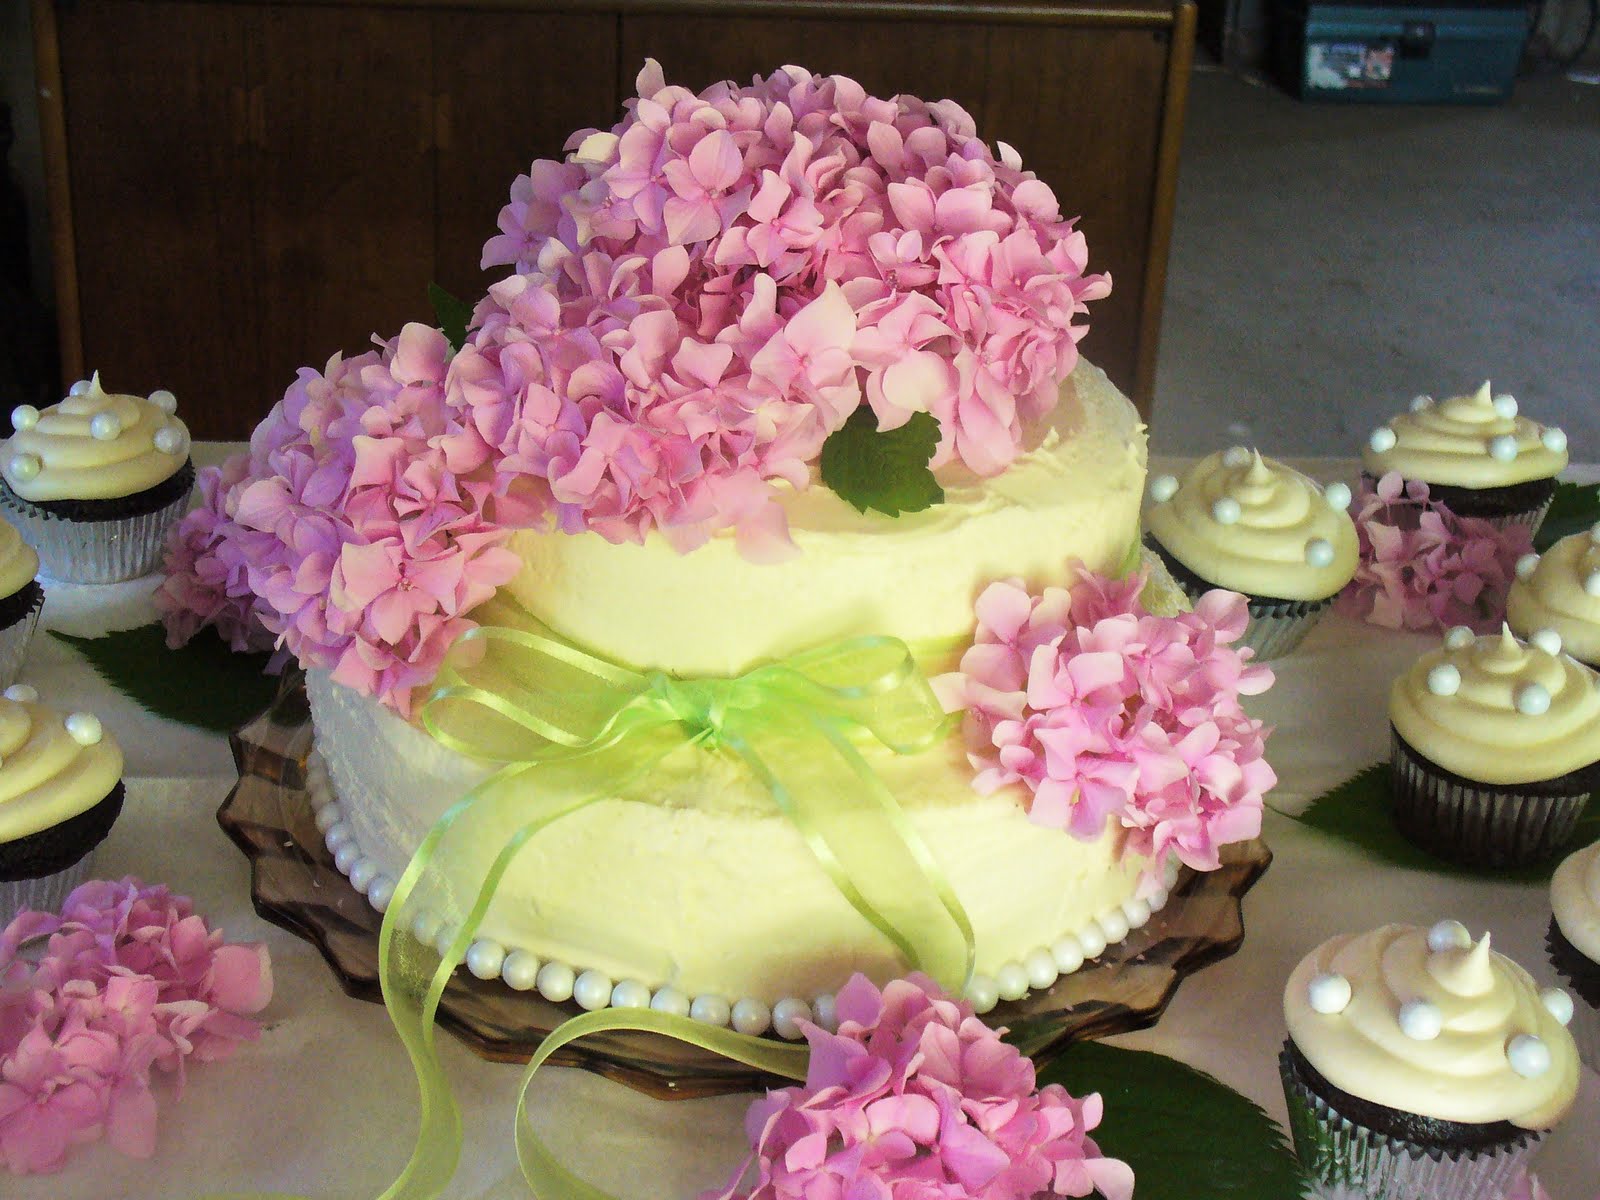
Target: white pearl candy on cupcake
[
  {"x": 1421, "y": 1020},
  {"x": 1528, "y": 1055},
  {"x": 164, "y": 400},
  {"x": 24, "y": 416},
  {"x": 168, "y": 439},
  {"x": 1337, "y": 495},
  {"x": 1558, "y": 1004},
  {"x": 84, "y": 728},
  {"x": 1382, "y": 439},
  {"x": 1329, "y": 993},
  {"x": 26, "y": 466},
  {"x": 105, "y": 427},
  {"x": 1449, "y": 935},
  {"x": 1163, "y": 488}
]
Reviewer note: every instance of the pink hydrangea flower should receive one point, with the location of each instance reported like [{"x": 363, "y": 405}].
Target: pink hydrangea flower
[
  {"x": 1104, "y": 712},
  {"x": 915, "y": 1098},
  {"x": 1423, "y": 567},
  {"x": 130, "y": 981}
]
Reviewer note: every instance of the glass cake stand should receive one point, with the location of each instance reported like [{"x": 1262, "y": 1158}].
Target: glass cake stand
[{"x": 295, "y": 885}]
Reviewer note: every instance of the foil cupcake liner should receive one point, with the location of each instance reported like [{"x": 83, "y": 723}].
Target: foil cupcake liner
[
  {"x": 14, "y": 640},
  {"x": 44, "y": 894},
  {"x": 1337, "y": 1152},
  {"x": 1277, "y": 627},
  {"x": 96, "y": 551},
  {"x": 1532, "y": 518},
  {"x": 1478, "y": 825}
]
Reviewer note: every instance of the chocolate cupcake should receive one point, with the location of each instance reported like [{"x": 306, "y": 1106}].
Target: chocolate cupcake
[
  {"x": 21, "y": 598},
  {"x": 60, "y": 792},
  {"x": 1421, "y": 1065},
  {"x": 95, "y": 482},
  {"x": 1477, "y": 455},
  {"x": 1495, "y": 748},
  {"x": 1559, "y": 590},
  {"x": 1574, "y": 944},
  {"x": 1247, "y": 524}
]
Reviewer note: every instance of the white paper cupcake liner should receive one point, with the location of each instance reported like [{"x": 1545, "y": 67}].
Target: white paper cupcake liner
[
  {"x": 1532, "y": 518},
  {"x": 45, "y": 894},
  {"x": 97, "y": 551},
  {"x": 14, "y": 639}
]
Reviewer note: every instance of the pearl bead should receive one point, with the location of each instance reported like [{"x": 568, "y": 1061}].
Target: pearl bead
[
  {"x": 1503, "y": 448},
  {"x": 105, "y": 426},
  {"x": 1337, "y": 495},
  {"x": 1225, "y": 510},
  {"x": 592, "y": 990},
  {"x": 520, "y": 970},
  {"x": 1157, "y": 900},
  {"x": 1505, "y": 407},
  {"x": 1319, "y": 552},
  {"x": 485, "y": 958},
  {"x": 25, "y": 466},
  {"x": 1068, "y": 953},
  {"x": 361, "y": 875},
  {"x": 1558, "y": 1004},
  {"x": 345, "y": 857},
  {"x": 826, "y": 1010},
  {"x": 1011, "y": 981},
  {"x": 1449, "y": 935},
  {"x": 1328, "y": 993},
  {"x": 1528, "y": 1055},
  {"x": 1421, "y": 1020},
  {"x": 380, "y": 891},
  {"x": 336, "y": 835},
  {"x": 329, "y": 815},
  {"x": 1418, "y": 403},
  {"x": 671, "y": 1001},
  {"x": 1592, "y": 583},
  {"x": 555, "y": 982},
  {"x": 164, "y": 400},
  {"x": 983, "y": 993},
  {"x": 630, "y": 993},
  {"x": 1444, "y": 679},
  {"x": 786, "y": 1014},
  {"x": 1041, "y": 967},
  {"x": 1547, "y": 640},
  {"x": 1092, "y": 940},
  {"x": 1594, "y": 533},
  {"x": 1137, "y": 912},
  {"x": 1459, "y": 638},
  {"x": 1169, "y": 871},
  {"x": 1533, "y": 699},
  {"x": 425, "y": 926},
  {"x": 1382, "y": 439},
  {"x": 1113, "y": 925},
  {"x": 79, "y": 388},
  {"x": 443, "y": 940},
  {"x": 1237, "y": 456},
  {"x": 169, "y": 439},
  {"x": 22, "y": 693},
  {"x": 751, "y": 1017},
  {"x": 1527, "y": 565},
  {"x": 1163, "y": 488},
  {"x": 1555, "y": 440},
  {"x": 710, "y": 1010},
  {"x": 85, "y": 728},
  {"x": 24, "y": 416}
]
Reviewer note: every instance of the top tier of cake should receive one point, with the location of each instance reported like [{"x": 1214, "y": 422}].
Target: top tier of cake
[{"x": 1073, "y": 493}]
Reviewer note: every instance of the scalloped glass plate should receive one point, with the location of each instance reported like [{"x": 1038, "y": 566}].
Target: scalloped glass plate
[{"x": 295, "y": 885}]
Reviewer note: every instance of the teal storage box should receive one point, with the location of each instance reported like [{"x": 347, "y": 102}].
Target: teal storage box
[{"x": 1396, "y": 53}]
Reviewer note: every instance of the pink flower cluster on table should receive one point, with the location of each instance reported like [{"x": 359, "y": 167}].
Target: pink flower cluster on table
[
  {"x": 1105, "y": 712},
  {"x": 130, "y": 982},
  {"x": 915, "y": 1098},
  {"x": 1424, "y": 567}
]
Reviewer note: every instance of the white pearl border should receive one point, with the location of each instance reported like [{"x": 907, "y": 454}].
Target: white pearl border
[{"x": 559, "y": 982}]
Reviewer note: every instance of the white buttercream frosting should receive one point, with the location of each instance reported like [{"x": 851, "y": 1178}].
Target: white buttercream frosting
[
  {"x": 1471, "y": 1049},
  {"x": 51, "y": 768},
  {"x": 93, "y": 445},
  {"x": 1575, "y": 900},
  {"x": 1499, "y": 710},
  {"x": 1253, "y": 525},
  {"x": 1561, "y": 591},
  {"x": 18, "y": 561},
  {"x": 1478, "y": 441}
]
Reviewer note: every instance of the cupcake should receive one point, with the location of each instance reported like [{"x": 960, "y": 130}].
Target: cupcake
[
  {"x": 1560, "y": 590},
  {"x": 1421, "y": 1065},
  {"x": 1495, "y": 747},
  {"x": 1248, "y": 524},
  {"x": 1574, "y": 944},
  {"x": 60, "y": 791},
  {"x": 1478, "y": 457},
  {"x": 21, "y": 598},
  {"x": 94, "y": 483}
]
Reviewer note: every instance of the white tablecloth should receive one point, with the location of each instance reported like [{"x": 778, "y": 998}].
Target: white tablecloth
[{"x": 324, "y": 1105}]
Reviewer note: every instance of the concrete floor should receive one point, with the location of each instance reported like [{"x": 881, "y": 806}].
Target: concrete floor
[{"x": 1330, "y": 262}]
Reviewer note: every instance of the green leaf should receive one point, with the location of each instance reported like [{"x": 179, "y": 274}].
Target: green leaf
[
  {"x": 885, "y": 470},
  {"x": 1185, "y": 1134},
  {"x": 1574, "y": 509},
  {"x": 205, "y": 684},
  {"x": 452, "y": 314},
  {"x": 1357, "y": 812}
]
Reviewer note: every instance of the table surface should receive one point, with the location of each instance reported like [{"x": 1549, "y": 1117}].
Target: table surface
[{"x": 324, "y": 1104}]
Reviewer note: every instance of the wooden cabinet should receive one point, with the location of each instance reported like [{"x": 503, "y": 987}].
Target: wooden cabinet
[{"x": 241, "y": 189}]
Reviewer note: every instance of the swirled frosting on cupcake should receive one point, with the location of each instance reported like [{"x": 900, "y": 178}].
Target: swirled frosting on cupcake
[
  {"x": 1476, "y": 441},
  {"x": 1575, "y": 900},
  {"x": 94, "y": 445},
  {"x": 51, "y": 767},
  {"x": 1428, "y": 1022},
  {"x": 1499, "y": 710},
  {"x": 1256, "y": 526},
  {"x": 1560, "y": 590},
  {"x": 18, "y": 562}
]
